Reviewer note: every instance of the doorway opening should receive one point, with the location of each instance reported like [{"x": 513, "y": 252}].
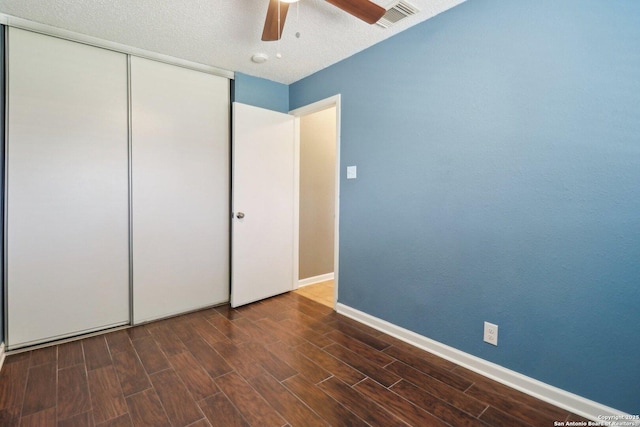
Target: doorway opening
[{"x": 317, "y": 186}]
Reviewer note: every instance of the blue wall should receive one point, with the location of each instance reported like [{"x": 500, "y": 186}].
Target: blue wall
[
  {"x": 260, "y": 92},
  {"x": 498, "y": 154}
]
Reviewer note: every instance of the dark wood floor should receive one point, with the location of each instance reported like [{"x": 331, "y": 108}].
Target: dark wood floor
[{"x": 284, "y": 361}]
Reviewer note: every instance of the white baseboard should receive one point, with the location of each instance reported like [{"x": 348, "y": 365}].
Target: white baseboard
[
  {"x": 2, "y": 355},
  {"x": 548, "y": 393},
  {"x": 315, "y": 279}
]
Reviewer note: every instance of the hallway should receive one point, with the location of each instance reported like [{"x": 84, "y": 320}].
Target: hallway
[{"x": 322, "y": 292}]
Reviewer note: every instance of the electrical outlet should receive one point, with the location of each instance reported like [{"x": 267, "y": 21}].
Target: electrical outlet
[{"x": 491, "y": 333}]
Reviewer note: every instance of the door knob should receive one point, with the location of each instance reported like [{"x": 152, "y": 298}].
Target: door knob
[{"x": 240, "y": 215}]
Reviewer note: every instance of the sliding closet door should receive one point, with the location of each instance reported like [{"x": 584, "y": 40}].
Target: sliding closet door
[
  {"x": 67, "y": 189},
  {"x": 180, "y": 170}
]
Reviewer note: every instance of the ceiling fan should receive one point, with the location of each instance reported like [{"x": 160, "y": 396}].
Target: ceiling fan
[{"x": 366, "y": 10}]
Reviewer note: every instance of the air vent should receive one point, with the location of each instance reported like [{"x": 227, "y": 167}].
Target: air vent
[{"x": 397, "y": 12}]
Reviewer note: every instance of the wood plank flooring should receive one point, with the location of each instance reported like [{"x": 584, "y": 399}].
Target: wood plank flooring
[
  {"x": 285, "y": 361},
  {"x": 319, "y": 292}
]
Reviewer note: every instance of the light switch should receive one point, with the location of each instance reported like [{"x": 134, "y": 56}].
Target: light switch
[{"x": 351, "y": 172}]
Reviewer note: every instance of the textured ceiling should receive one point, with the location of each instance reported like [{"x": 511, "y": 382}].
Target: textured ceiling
[{"x": 223, "y": 33}]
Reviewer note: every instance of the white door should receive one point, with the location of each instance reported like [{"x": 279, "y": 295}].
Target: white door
[
  {"x": 263, "y": 204},
  {"x": 67, "y": 255},
  {"x": 180, "y": 183}
]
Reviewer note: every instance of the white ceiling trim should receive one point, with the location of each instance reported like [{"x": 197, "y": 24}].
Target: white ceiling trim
[{"x": 25, "y": 24}]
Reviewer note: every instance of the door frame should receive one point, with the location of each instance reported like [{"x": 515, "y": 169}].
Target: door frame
[{"x": 332, "y": 101}]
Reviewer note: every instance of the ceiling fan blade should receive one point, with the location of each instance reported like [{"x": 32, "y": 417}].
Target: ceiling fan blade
[
  {"x": 270, "y": 31},
  {"x": 366, "y": 10}
]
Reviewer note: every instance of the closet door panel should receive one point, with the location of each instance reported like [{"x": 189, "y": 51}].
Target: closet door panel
[
  {"x": 180, "y": 177},
  {"x": 67, "y": 188}
]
